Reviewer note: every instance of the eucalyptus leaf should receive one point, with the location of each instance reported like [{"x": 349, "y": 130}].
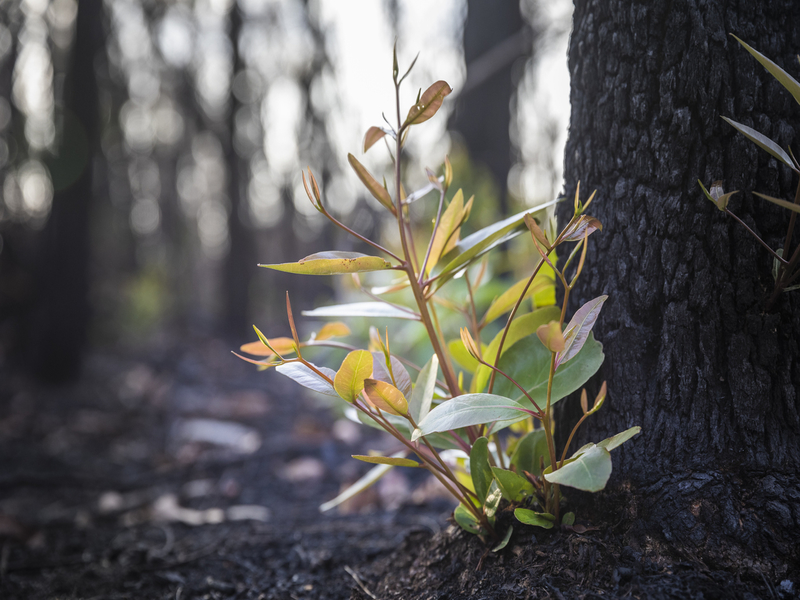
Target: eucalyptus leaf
[
  {"x": 493, "y": 496},
  {"x": 784, "y": 203},
  {"x": 619, "y": 439},
  {"x": 470, "y": 409},
  {"x": 514, "y": 487},
  {"x": 578, "y": 329},
  {"x": 543, "y": 520},
  {"x": 379, "y": 192},
  {"x": 373, "y": 135},
  {"x": 528, "y": 362},
  {"x": 419, "y": 404},
  {"x": 479, "y": 468},
  {"x": 395, "y": 461},
  {"x": 385, "y": 396},
  {"x": 506, "y": 301},
  {"x": 466, "y": 520},
  {"x": 401, "y": 377},
  {"x": 428, "y": 104},
  {"x": 786, "y": 80},
  {"x": 359, "y": 486},
  {"x": 462, "y": 356},
  {"x": 528, "y": 451},
  {"x": 504, "y": 542},
  {"x": 588, "y": 472},
  {"x": 568, "y": 519},
  {"x": 349, "y": 380},
  {"x": 762, "y": 142},
  {"x": 303, "y": 375},
  {"x": 333, "y": 263},
  {"x": 363, "y": 309}
]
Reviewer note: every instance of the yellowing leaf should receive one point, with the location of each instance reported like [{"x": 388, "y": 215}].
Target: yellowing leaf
[
  {"x": 386, "y": 460},
  {"x": 281, "y": 345},
  {"x": 428, "y": 104},
  {"x": 505, "y": 302},
  {"x": 376, "y": 189},
  {"x": 385, "y": 396},
  {"x": 331, "y": 330},
  {"x": 446, "y": 235},
  {"x": 349, "y": 380},
  {"x": 333, "y": 263}
]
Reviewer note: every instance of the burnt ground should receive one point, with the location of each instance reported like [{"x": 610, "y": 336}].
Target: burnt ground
[{"x": 185, "y": 474}]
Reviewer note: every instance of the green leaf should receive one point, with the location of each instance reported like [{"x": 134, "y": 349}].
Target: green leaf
[
  {"x": 521, "y": 327},
  {"x": 790, "y": 205},
  {"x": 568, "y": 519},
  {"x": 385, "y": 397},
  {"x": 506, "y": 301},
  {"x": 359, "y": 486},
  {"x": 363, "y": 309},
  {"x": 528, "y": 362},
  {"x": 514, "y": 487},
  {"x": 763, "y": 142},
  {"x": 303, "y": 375},
  {"x": 479, "y": 468},
  {"x": 543, "y": 520},
  {"x": 493, "y": 496},
  {"x": 395, "y": 461},
  {"x": 528, "y": 450},
  {"x": 349, "y": 381},
  {"x": 428, "y": 104},
  {"x": 619, "y": 439},
  {"x": 588, "y": 472},
  {"x": 379, "y": 192},
  {"x": 466, "y": 520},
  {"x": 421, "y": 397},
  {"x": 577, "y": 332},
  {"x": 462, "y": 356},
  {"x": 470, "y": 409},
  {"x": 504, "y": 542},
  {"x": 333, "y": 263},
  {"x": 447, "y": 234},
  {"x": 476, "y": 245},
  {"x": 786, "y": 80}
]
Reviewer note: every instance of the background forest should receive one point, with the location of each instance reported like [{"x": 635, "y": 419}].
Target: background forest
[{"x": 150, "y": 151}]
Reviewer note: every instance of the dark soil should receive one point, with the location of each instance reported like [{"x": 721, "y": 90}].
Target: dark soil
[{"x": 109, "y": 489}]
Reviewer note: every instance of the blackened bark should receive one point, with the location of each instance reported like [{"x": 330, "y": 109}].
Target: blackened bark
[
  {"x": 495, "y": 35},
  {"x": 691, "y": 355},
  {"x": 60, "y": 316}
]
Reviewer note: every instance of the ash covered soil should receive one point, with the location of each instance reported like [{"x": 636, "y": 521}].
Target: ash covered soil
[{"x": 183, "y": 473}]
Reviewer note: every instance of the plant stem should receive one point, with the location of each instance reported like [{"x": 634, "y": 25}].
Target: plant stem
[
  {"x": 792, "y": 218},
  {"x": 760, "y": 241},
  {"x": 548, "y": 431},
  {"x": 433, "y": 236}
]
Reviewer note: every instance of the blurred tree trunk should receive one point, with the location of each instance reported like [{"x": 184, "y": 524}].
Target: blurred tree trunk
[
  {"x": 691, "y": 355},
  {"x": 495, "y": 35},
  {"x": 240, "y": 263},
  {"x": 60, "y": 316}
]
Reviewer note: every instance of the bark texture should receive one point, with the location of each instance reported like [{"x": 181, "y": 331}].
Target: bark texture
[{"x": 691, "y": 354}]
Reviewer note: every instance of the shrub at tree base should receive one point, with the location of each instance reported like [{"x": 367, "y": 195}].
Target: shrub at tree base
[{"x": 487, "y": 433}]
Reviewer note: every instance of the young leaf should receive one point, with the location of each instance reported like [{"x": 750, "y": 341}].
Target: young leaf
[
  {"x": 763, "y": 142},
  {"x": 362, "y": 309},
  {"x": 428, "y": 104},
  {"x": 504, "y": 542},
  {"x": 568, "y": 519},
  {"x": 479, "y": 468},
  {"x": 514, "y": 487},
  {"x": 402, "y": 380},
  {"x": 536, "y": 231},
  {"x": 466, "y": 520},
  {"x": 786, "y": 80},
  {"x": 420, "y": 403},
  {"x": 528, "y": 362},
  {"x": 395, "y": 461},
  {"x": 790, "y": 205},
  {"x": 719, "y": 199},
  {"x": 588, "y": 472},
  {"x": 550, "y": 335},
  {"x": 332, "y": 263},
  {"x": 449, "y": 224},
  {"x": 373, "y": 135},
  {"x": 521, "y": 327},
  {"x": 619, "y": 439},
  {"x": 578, "y": 230},
  {"x": 349, "y": 380},
  {"x": 462, "y": 355},
  {"x": 470, "y": 409},
  {"x": 332, "y": 330},
  {"x": 506, "y": 301},
  {"x": 543, "y": 520},
  {"x": 281, "y": 345},
  {"x": 578, "y": 330},
  {"x": 528, "y": 451},
  {"x": 385, "y": 397},
  {"x": 379, "y": 192},
  {"x": 493, "y": 496},
  {"x": 303, "y": 375},
  {"x": 359, "y": 486}
]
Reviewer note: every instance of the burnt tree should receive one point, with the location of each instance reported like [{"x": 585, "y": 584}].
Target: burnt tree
[{"x": 691, "y": 354}]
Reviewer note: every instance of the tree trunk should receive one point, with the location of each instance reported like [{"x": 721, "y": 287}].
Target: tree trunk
[
  {"x": 691, "y": 354},
  {"x": 59, "y": 320}
]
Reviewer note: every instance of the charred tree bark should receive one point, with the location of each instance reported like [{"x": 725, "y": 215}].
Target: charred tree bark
[
  {"x": 59, "y": 319},
  {"x": 691, "y": 354}
]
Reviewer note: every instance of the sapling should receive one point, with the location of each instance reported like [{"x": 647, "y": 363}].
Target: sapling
[
  {"x": 785, "y": 271},
  {"x": 485, "y": 431}
]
